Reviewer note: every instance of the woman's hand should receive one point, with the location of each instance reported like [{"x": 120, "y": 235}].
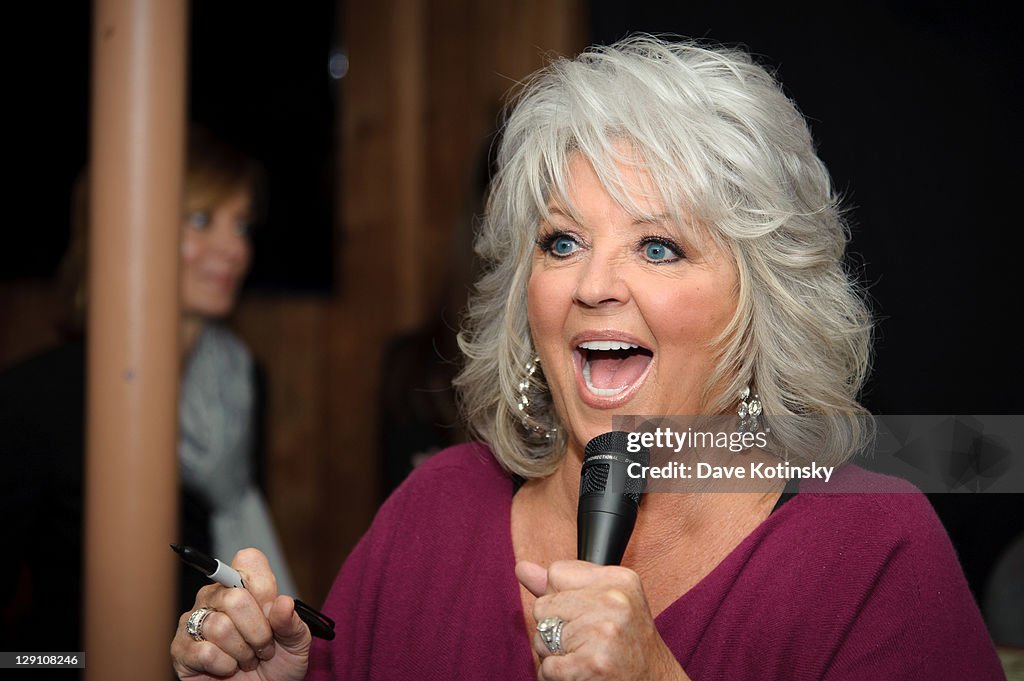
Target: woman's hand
[
  {"x": 252, "y": 633},
  {"x": 609, "y": 632}
]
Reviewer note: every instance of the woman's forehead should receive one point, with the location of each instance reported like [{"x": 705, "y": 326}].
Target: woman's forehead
[
  {"x": 631, "y": 183},
  {"x": 628, "y": 181}
]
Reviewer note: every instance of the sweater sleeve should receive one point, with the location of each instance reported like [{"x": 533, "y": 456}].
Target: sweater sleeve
[
  {"x": 430, "y": 591},
  {"x": 352, "y": 601},
  {"x": 918, "y": 619}
]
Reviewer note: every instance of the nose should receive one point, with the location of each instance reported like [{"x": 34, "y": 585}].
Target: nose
[
  {"x": 229, "y": 242},
  {"x": 600, "y": 283}
]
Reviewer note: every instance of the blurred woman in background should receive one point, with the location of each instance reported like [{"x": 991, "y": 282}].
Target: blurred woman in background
[{"x": 42, "y": 407}]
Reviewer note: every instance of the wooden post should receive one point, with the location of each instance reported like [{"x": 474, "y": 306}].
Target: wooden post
[{"x": 137, "y": 158}]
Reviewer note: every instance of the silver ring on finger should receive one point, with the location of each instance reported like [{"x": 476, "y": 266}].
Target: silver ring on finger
[
  {"x": 194, "y": 626},
  {"x": 550, "y": 630}
]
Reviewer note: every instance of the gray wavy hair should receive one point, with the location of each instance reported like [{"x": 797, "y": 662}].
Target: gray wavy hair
[{"x": 727, "y": 151}]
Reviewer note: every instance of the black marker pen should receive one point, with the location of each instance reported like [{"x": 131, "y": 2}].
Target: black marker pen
[{"x": 320, "y": 625}]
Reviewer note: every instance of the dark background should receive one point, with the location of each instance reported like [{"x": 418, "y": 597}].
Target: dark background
[{"x": 258, "y": 79}]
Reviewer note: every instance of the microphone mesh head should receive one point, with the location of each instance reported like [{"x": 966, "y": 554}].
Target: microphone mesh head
[
  {"x": 635, "y": 487},
  {"x": 596, "y": 472},
  {"x": 595, "y": 478},
  {"x": 615, "y": 442}
]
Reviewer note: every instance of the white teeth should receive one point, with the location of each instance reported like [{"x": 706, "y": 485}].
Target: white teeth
[
  {"x": 608, "y": 345},
  {"x": 602, "y": 392}
]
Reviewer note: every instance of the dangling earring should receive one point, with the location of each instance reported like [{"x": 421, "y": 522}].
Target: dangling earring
[
  {"x": 531, "y": 424},
  {"x": 749, "y": 411}
]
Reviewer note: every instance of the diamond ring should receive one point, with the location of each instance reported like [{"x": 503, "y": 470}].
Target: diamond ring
[
  {"x": 194, "y": 626},
  {"x": 550, "y": 630}
]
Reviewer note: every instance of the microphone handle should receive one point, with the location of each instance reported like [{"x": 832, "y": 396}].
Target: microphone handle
[{"x": 604, "y": 529}]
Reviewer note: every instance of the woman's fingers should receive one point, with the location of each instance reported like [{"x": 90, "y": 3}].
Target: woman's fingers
[
  {"x": 241, "y": 625},
  {"x": 571, "y": 575},
  {"x": 256, "y": 573},
  {"x": 594, "y": 622},
  {"x": 279, "y": 648},
  {"x": 228, "y": 637},
  {"x": 532, "y": 576},
  {"x": 575, "y": 588},
  {"x": 240, "y": 618},
  {"x": 198, "y": 657},
  {"x": 290, "y": 632}
]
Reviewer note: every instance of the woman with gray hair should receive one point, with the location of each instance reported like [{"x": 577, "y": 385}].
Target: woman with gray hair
[{"x": 660, "y": 239}]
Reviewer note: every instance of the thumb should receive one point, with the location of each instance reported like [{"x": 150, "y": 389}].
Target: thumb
[
  {"x": 533, "y": 577},
  {"x": 290, "y": 632}
]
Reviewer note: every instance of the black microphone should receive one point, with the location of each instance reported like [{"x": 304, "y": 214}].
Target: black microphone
[{"x": 609, "y": 497}]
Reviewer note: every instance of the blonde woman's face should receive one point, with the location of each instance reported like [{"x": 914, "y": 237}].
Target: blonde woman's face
[
  {"x": 215, "y": 256},
  {"x": 624, "y": 312}
]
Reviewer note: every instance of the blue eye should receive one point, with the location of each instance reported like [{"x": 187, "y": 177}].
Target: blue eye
[
  {"x": 199, "y": 219},
  {"x": 656, "y": 250},
  {"x": 563, "y": 245},
  {"x": 558, "y": 244}
]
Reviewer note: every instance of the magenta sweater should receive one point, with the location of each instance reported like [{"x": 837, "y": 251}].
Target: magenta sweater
[{"x": 830, "y": 586}]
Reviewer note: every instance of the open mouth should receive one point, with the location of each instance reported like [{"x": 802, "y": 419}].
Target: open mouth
[{"x": 610, "y": 367}]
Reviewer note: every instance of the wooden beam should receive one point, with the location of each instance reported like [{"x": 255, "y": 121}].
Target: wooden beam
[{"x": 137, "y": 156}]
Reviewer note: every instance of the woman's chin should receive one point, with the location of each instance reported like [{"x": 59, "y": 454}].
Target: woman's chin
[
  {"x": 596, "y": 414},
  {"x": 210, "y": 310}
]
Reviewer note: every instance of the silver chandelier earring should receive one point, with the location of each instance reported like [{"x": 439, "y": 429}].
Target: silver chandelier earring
[
  {"x": 749, "y": 411},
  {"x": 531, "y": 424}
]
